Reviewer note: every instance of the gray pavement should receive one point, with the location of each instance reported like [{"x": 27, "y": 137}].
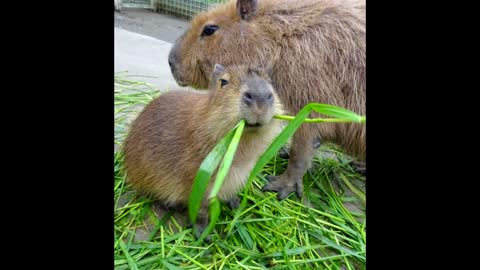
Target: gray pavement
[
  {"x": 146, "y": 22},
  {"x": 145, "y": 51}
]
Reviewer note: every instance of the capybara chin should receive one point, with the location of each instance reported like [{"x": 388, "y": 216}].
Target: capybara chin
[
  {"x": 316, "y": 49},
  {"x": 171, "y": 137}
]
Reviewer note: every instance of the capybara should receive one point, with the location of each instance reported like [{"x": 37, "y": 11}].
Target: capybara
[
  {"x": 174, "y": 133},
  {"x": 316, "y": 49}
]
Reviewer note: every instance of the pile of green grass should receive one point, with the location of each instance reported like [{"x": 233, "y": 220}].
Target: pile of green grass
[{"x": 317, "y": 232}]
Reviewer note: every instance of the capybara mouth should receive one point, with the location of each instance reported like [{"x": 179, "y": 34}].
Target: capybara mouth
[
  {"x": 255, "y": 125},
  {"x": 182, "y": 83}
]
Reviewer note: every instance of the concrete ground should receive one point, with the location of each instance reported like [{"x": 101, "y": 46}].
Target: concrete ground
[{"x": 142, "y": 42}]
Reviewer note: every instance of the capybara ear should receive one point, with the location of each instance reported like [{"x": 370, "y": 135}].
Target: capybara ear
[
  {"x": 246, "y": 8},
  {"x": 217, "y": 72}
]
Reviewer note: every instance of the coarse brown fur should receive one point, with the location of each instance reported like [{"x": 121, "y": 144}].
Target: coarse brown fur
[
  {"x": 171, "y": 137},
  {"x": 317, "y": 51}
]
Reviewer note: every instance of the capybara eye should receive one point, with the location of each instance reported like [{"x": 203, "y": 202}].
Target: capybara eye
[
  {"x": 223, "y": 82},
  {"x": 209, "y": 30}
]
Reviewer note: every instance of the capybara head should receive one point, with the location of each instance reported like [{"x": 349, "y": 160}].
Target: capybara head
[
  {"x": 227, "y": 34},
  {"x": 245, "y": 92}
]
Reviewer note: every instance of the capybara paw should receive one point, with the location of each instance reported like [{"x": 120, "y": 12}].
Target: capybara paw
[{"x": 284, "y": 186}]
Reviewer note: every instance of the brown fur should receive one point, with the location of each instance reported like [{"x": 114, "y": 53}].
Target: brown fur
[
  {"x": 316, "y": 49},
  {"x": 174, "y": 133}
]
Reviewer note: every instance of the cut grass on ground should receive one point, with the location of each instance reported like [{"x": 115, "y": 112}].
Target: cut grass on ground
[{"x": 324, "y": 230}]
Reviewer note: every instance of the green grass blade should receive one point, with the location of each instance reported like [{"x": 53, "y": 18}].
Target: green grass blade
[
  {"x": 226, "y": 148},
  {"x": 169, "y": 266},
  {"x": 317, "y": 120},
  {"x": 228, "y": 159},
  {"x": 131, "y": 262},
  {"x": 359, "y": 193},
  {"x": 245, "y": 236},
  {"x": 204, "y": 174},
  {"x": 335, "y": 111}
]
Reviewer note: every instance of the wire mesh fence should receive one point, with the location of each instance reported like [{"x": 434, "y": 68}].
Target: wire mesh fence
[
  {"x": 138, "y": 4},
  {"x": 185, "y": 8},
  {"x": 180, "y": 8}
]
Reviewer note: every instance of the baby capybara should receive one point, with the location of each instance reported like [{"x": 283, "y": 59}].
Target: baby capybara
[{"x": 171, "y": 137}]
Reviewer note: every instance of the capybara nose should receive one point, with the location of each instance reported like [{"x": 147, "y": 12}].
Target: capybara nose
[
  {"x": 259, "y": 97},
  {"x": 248, "y": 99}
]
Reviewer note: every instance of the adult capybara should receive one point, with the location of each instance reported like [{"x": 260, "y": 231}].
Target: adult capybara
[{"x": 317, "y": 51}]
